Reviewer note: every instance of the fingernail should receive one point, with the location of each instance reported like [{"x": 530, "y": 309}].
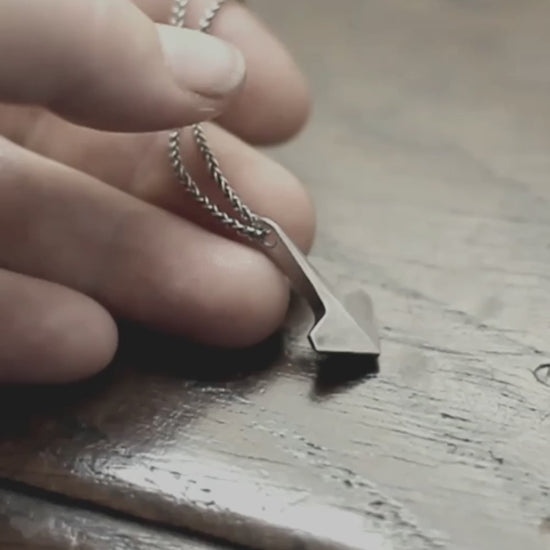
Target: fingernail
[{"x": 202, "y": 63}]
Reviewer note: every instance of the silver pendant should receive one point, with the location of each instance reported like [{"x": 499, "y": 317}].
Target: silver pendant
[{"x": 338, "y": 328}]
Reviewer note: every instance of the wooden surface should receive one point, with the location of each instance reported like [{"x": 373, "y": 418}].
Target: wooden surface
[
  {"x": 33, "y": 523},
  {"x": 429, "y": 159}
]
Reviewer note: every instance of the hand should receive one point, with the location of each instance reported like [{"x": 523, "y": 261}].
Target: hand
[{"x": 93, "y": 225}]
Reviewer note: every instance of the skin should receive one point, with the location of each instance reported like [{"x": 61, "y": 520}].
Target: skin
[{"x": 92, "y": 224}]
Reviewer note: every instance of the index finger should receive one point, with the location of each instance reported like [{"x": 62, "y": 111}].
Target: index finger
[{"x": 274, "y": 102}]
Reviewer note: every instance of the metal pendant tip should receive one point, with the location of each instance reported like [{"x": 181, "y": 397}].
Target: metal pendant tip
[{"x": 339, "y": 328}]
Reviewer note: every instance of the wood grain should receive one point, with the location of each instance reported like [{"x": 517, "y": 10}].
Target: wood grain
[
  {"x": 428, "y": 158},
  {"x": 32, "y": 523}
]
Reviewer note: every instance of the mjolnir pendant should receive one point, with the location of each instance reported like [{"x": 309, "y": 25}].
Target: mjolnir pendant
[{"x": 337, "y": 329}]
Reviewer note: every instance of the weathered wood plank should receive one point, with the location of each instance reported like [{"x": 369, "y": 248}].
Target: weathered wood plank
[
  {"x": 32, "y": 523},
  {"x": 428, "y": 158}
]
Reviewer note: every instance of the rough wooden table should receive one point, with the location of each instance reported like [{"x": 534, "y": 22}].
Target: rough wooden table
[
  {"x": 428, "y": 156},
  {"x": 28, "y": 522}
]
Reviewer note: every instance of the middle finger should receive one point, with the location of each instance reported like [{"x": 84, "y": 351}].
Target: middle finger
[{"x": 138, "y": 261}]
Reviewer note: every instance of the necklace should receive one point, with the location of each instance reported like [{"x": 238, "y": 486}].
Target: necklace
[{"x": 337, "y": 329}]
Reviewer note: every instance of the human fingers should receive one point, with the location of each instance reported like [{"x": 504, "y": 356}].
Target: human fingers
[
  {"x": 139, "y": 261},
  {"x": 138, "y": 164},
  {"x": 274, "y": 103},
  {"x": 105, "y": 64},
  {"x": 50, "y": 333}
]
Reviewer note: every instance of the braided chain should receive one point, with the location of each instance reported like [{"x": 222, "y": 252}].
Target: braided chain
[{"x": 249, "y": 224}]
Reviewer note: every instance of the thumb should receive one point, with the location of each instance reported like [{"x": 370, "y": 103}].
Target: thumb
[{"x": 104, "y": 64}]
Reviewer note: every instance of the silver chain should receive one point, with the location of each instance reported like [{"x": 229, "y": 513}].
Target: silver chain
[{"x": 248, "y": 225}]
